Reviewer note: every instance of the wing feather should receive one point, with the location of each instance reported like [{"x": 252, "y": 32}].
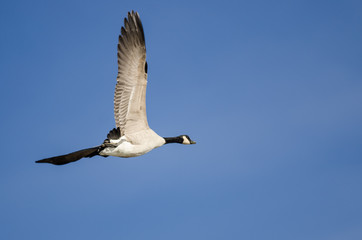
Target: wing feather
[{"x": 130, "y": 93}]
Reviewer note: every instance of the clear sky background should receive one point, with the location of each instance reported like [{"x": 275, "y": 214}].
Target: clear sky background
[{"x": 270, "y": 90}]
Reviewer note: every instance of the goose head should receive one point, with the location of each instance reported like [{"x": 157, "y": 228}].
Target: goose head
[
  {"x": 186, "y": 140},
  {"x": 182, "y": 139}
]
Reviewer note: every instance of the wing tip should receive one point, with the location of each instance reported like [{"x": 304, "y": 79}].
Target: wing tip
[{"x": 133, "y": 20}]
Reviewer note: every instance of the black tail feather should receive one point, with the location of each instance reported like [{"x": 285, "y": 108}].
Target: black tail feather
[{"x": 71, "y": 157}]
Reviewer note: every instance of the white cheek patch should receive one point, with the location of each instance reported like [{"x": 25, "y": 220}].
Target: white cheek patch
[{"x": 185, "y": 140}]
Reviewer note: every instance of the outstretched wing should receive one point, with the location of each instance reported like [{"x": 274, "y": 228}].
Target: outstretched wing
[{"x": 130, "y": 93}]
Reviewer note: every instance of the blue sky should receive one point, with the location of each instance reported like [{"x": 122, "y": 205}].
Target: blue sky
[{"x": 270, "y": 90}]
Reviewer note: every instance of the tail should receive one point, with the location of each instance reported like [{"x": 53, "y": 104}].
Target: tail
[{"x": 71, "y": 157}]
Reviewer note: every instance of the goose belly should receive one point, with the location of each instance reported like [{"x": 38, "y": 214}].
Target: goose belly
[
  {"x": 127, "y": 150},
  {"x": 136, "y": 144}
]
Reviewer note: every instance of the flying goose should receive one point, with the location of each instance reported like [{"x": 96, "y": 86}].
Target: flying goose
[{"x": 132, "y": 136}]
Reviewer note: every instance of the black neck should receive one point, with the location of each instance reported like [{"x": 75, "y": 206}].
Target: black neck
[{"x": 174, "y": 140}]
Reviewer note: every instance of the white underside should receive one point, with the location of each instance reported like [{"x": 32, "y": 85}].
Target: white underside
[{"x": 135, "y": 144}]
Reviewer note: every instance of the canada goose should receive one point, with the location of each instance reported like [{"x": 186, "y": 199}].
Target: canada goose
[{"x": 132, "y": 136}]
